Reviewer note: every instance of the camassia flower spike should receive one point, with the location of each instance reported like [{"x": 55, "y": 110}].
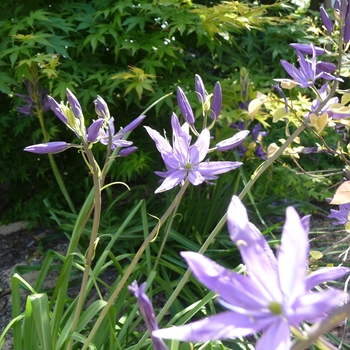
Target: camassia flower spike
[{"x": 276, "y": 293}]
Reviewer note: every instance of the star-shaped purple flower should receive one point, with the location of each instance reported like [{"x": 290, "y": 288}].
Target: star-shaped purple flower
[
  {"x": 183, "y": 160},
  {"x": 274, "y": 295}
]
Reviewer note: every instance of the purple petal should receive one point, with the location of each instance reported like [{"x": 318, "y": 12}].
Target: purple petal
[
  {"x": 276, "y": 336},
  {"x": 232, "y": 142},
  {"x": 307, "y": 49},
  {"x": 225, "y": 325},
  {"x": 347, "y": 29},
  {"x": 74, "y": 103},
  {"x": 217, "y": 102},
  {"x": 323, "y": 275},
  {"x": 237, "y": 290},
  {"x": 173, "y": 179},
  {"x": 200, "y": 148},
  {"x": 195, "y": 177},
  {"x": 256, "y": 253},
  {"x": 185, "y": 107},
  {"x": 181, "y": 140},
  {"x": 57, "y": 109},
  {"x": 208, "y": 169},
  {"x": 94, "y": 130},
  {"x": 292, "y": 256},
  {"x": 49, "y": 147},
  {"x": 200, "y": 89}
]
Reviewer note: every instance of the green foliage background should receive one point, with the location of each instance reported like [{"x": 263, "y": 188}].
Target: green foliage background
[{"x": 131, "y": 53}]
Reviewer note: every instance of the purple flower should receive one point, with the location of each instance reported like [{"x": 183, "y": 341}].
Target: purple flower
[
  {"x": 49, "y": 147},
  {"x": 74, "y": 103},
  {"x": 185, "y": 107},
  {"x": 34, "y": 92},
  {"x": 101, "y": 108},
  {"x": 217, "y": 102},
  {"x": 127, "y": 151},
  {"x": 183, "y": 160},
  {"x": 307, "y": 74},
  {"x": 147, "y": 312},
  {"x": 56, "y": 108},
  {"x": 108, "y": 136},
  {"x": 307, "y": 49},
  {"x": 274, "y": 295},
  {"x": 341, "y": 216},
  {"x": 94, "y": 130}
]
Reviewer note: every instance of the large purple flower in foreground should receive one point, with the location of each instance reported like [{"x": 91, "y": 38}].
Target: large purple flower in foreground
[
  {"x": 273, "y": 296},
  {"x": 183, "y": 160}
]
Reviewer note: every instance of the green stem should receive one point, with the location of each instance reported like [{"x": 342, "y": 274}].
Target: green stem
[
  {"x": 93, "y": 238},
  {"x": 133, "y": 264}
]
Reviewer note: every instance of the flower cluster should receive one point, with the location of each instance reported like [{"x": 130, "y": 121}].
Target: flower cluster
[
  {"x": 102, "y": 129},
  {"x": 183, "y": 160}
]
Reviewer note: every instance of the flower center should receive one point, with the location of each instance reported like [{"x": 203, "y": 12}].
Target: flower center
[
  {"x": 275, "y": 308},
  {"x": 188, "y": 166}
]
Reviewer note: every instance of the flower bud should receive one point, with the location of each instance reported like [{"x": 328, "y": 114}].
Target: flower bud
[
  {"x": 200, "y": 89},
  {"x": 101, "y": 108},
  {"x": 75, "y": 105},
  {"x": 217, "y": 102},
  {"x": 327, "y": 22},
  {"x": 185, "y": 107},
  {"x": 49, "y": 147},
  {"x": 233, "y": 141},
  {"x": 127, "y": 151}
]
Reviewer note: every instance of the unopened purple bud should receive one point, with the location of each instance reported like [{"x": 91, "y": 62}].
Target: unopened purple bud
[
  {"x": 217, "y": 102},
  {"x": 134, "y": 124},
  {"x": 326, "y": 67},
  {"x": 74, "y": 103},
  {"x": 94, "y": 130},
  {"x": 101, "y": 108},
  {"x": 200, "y": 89},
  {"x": 337, "y": 5},
  {"x": 57, "y": 109},
  {"x": 327, "y": 22},
  {"x": 127, "y": 151},
  {"x": 306, "y": 49},
  {"x": 185, "y": 107},
  {"x": 233, "y": 141},
  {"x": 346, "y": 29},
  {"x": 49, "y": 147}
]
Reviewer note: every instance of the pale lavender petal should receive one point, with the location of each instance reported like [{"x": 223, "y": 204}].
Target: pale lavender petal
[
  {"x": 74, "y": 103},
  {"x": 292, "y": 71},
  {"x": 319, "y": 276},
  {"x": 276, "y": 337},
  {"x": 256, "y": 253},
  {"x": 200, "y": 89},
  {"x": 221, "y": 326},
  {"x": 94, "y": 130},
  {"x": 57, "y": 109},
  {"x": 233, "y": 141},
  {"x": 180, "y": 140},
  {"x": 312, "y": 306},
  {"x": 200, "y": 148},
  {"x": 237, "y": 290},
  {"x": 162, "y": 144},
  {"x": 292, "y": 256},
  {"x": 172, "y": 180},
  {"x": 215, "y": 168},
  {"x": 49, "y": 147},
  {"x": 195, "y": 177}
]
